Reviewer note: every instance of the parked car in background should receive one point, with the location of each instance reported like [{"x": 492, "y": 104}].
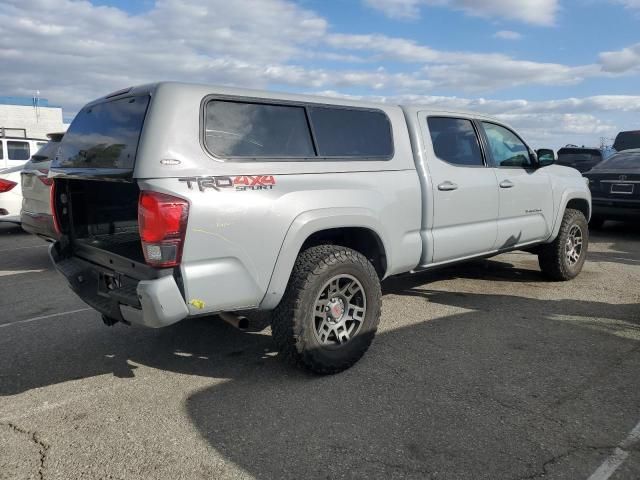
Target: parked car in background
[
  {"x": 16, "y": 148},
  {"x": 10, "y": 194},
  {"x": 581, "y": 158},
  {"x": 36, "y": 216},
  {"x": 627, "y": 140},
  {"x": 615, "y": 188}
]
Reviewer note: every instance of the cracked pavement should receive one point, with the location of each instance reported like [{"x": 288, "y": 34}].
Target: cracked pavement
[{"x": 479, "y": 371}]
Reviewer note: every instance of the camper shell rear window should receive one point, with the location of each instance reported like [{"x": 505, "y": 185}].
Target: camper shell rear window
[
  {"x": 245, "y": 130},
  {"x": 104, "y": 135}
]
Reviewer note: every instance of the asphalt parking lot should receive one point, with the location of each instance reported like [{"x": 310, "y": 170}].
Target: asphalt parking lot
[{"x": 482, "y": 371}]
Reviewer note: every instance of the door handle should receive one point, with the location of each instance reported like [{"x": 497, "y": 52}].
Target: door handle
[
  {"x": 447, "y": 186},
  {"x": 507, "y": 184}
]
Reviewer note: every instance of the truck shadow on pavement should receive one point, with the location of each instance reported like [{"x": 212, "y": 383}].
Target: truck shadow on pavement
[
  {"x": 509, "y": 388},
  {"x": 622, "y": 240},
  {"x": 501, "y": 386}
]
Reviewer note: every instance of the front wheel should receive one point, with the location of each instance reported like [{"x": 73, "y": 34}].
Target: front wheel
[
  {"x": 563, "y": 258},
  {"x": 330, "y": 310}
]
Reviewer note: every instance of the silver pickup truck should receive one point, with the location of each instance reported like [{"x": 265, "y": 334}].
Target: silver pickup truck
[{"x": 177, "y": 200}]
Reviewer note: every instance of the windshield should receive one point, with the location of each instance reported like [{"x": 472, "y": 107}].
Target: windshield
[
  {"x": 104, "y": 135},
  {"x": 621, "y": 161}
]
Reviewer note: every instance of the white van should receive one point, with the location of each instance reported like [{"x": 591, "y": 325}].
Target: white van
[{"x": 16, "y": 148}]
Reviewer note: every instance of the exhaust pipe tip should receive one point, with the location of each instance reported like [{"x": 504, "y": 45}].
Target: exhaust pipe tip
[{"x": 241, "y": 323}]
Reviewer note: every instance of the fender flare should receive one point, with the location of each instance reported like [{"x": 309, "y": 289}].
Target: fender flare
[
  {"x": 305, "y": 225},
  {"x": 567, "y": 196}
]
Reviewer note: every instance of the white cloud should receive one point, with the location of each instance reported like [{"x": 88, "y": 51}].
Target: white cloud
[
  {"x": 466, "y": 71},
  {"x": 621, "y": 61},
  {"x": 629, "y": 3},
  {"x": 551, "y": 123},
  {"x": 507, "y": 35},
  {"x": 92, "y": 49},
  {"x": 536, "y": 12},
  {"x": 74, "y": 51},
  {"x": 407, "y": 9}
]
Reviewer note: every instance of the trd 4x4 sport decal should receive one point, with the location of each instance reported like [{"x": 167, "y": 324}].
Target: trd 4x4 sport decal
[{"x": 240, "y": 183}]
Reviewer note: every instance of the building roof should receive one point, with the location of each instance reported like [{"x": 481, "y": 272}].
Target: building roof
[{"x": 25, "y": 101}]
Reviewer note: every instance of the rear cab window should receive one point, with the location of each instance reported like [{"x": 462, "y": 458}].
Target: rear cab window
[
  {"x": 104, "y": 135},
  {"x": 252, "y": 130},
  {"x": 455, "y": 141}
]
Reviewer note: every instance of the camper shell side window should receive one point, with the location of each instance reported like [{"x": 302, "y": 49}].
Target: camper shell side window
[{"x": 247, "y": 129}]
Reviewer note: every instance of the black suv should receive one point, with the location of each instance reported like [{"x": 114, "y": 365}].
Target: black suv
[
  {"x": 582, "y": 159},
  {"x": 627, "y": 140},
  {"x": 615, "y": 188}
]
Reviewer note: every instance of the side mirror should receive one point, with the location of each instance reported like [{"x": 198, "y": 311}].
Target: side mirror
[{"x": 546, "y": 157}]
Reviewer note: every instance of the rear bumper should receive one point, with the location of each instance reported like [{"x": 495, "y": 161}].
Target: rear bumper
[
  {"x": 616, "y": 209},
  {"x": 152, "y": 303},
  {"x": 40, "y": 224}
]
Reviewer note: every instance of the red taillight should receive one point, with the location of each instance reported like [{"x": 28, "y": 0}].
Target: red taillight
[
  {"x": 52, "y": 204},
  {"x": 6, "y": 185},
  {"x": 162, "y": 221},
  {"x": 44, "y": 179}
]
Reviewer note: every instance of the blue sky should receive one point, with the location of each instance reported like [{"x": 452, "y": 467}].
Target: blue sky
[{"x": 563, "y": 71}]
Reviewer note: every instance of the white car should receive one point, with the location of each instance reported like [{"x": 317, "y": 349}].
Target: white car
[{"x": 10, "y": 194}]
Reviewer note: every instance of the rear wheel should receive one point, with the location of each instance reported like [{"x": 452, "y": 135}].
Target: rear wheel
[
  {"x": 330, "y": 311},
  {"x": 563, "y": 259}
]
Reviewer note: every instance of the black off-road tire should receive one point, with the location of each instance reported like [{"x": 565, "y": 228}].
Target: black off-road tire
[
  {"x": 553, "y": 258},
  {"x": 293, "y": 321}
]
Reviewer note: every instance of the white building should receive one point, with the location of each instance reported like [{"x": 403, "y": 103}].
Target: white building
[{"x": 34, "y": 115}]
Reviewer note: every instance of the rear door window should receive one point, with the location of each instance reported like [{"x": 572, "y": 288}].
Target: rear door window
[
  {"x": 18, "y": 150},
  {"x": 235, "y": 129},
  {"x": 455, "y": 141},
  {"x": 104, "y": 135},
  {"x": 345, "y": 132}
]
